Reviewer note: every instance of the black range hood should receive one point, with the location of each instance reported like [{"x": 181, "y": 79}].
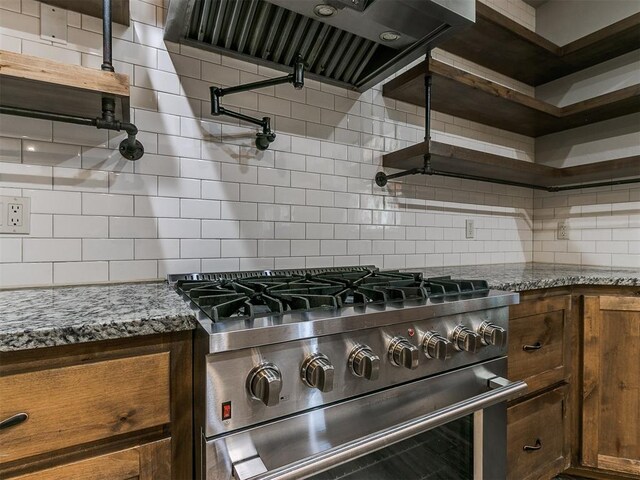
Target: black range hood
[{"x": 349, "y": 43}]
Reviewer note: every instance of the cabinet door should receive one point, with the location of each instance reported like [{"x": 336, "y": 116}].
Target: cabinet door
[{"x": 611, "y": 384}]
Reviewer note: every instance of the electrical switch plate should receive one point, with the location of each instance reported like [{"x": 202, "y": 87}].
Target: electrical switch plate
[
  {"x": 469, "y": 229},
  {"x": 15, "y": 215},
  {"x": 563, "y": 232}
]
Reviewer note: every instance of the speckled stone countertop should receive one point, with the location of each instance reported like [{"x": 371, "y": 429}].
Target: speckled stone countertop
[
  {"x": 520, "y": 277},
  {"x": 47, "y": 317}
]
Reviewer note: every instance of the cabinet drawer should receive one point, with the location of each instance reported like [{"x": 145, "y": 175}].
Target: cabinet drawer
[
  {"x": 535, "y": 437},
  {"x": 536, "y": 349},
  {"x": 82, "y": 403},
  {"x": 150, "y": 461}
]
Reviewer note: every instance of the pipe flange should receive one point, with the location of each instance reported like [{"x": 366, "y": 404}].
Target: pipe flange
[
  {"x": 381, "y": 179},
  {"x": 131, "y": 152}
]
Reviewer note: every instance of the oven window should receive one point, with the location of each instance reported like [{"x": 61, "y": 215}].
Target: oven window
[{"x": 444, "y": 453}]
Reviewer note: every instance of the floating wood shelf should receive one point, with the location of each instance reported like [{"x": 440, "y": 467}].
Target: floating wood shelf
[
  {"x": 468, "y": 96},
  {"x": 93, "y": 8},
  {"x": 503, "y": 45},
  {"x": 465, "y": 161},
  {"x": 39, "y": 84}
]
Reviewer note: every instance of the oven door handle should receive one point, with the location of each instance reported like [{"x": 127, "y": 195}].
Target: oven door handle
[{"x": 501, "y": 391}]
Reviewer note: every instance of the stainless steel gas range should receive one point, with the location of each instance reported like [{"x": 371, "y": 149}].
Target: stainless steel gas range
[{"x": 350, "y": 373}]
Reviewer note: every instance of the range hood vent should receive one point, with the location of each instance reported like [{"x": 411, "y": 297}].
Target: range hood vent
[{"x": 358, "y": 44}]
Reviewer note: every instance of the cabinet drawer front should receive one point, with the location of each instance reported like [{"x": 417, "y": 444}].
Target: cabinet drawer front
[
  {"x": 82, "y": 403},
  {"x": 123, "y": 465},
  {"x": 536, "y": 348},
  {"x": 535, "y": 437}
]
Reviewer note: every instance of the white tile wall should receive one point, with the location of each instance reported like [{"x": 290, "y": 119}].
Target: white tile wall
[{"x": 203, "y": 198}]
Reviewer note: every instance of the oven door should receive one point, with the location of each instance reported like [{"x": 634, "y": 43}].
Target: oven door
[{"x": 451, "y": 425}]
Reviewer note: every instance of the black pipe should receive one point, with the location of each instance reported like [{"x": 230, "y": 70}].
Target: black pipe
[
  {"x": 608, "y": 183},
  {"x": 130, "y": 148},
  {"x": 107, "y": 41},
  {"x": 264, "y": 138},
  {"x": 241, "y": 116},
  {"x": 427, "y": 117}
]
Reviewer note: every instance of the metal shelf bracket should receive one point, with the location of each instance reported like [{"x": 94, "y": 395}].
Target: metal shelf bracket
[{"x": 382, "y": 178}]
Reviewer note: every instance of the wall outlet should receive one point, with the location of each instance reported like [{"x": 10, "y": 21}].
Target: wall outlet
[
  {"x": 15, "y": 215},
  {"x": 469, "y": 229},
  {"x": 563, "y": 230}
]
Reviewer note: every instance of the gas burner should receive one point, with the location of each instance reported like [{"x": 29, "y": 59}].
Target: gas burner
[{"x": 250, "y": 295}]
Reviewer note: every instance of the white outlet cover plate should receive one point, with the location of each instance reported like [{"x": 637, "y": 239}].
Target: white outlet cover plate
[
  {"x": 53, "y": 23},
  {"x": 469, "y": 229},
  {"x": 23, "y": 229}
]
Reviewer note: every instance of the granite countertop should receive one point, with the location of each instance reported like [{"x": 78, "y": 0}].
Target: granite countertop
[
  {"x": 47, "y": 317},
  {"x": 520, "y": 277}
]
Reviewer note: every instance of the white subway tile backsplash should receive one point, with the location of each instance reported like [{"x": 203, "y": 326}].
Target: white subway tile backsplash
[
  {"x": 48, "y": 153},
  {"x": 178, "y": 228},
  {"x": 147, "y": 249},
  {"x": 51, "y": 250},
  {"x": 239, "y": 248},
  {"x": 178, "y": 187},
  {"x": 130, "y": 270},
  {"x": 17, "y": 175},
  {"x": 107, "y": 249},
  {"x": 199, "y": 248},
  {"x": 156, "y": 206},
  {"x": 133, "y": 227},
  {"x": 274, "y": 248},
  {"x": 220, "y": 229},
  {"x": 80, "y": 226},
  {"x": 10, "y": 250},
  {"x": 199, "y": 208},
  {"x": 290, "y": 230},
  {"x": 56, "y": 202},
  {"x": 80, "y": 180},
  {"x": 131, "y": 184},
  {"x": 217, "y": 204},
  {"x": 79, "y": 135},
  {"x": 25, "y": 274}
]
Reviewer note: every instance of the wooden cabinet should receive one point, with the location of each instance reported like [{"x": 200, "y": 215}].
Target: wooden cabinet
[
  {"x": 539, "y": 341},
  {"x": 145, "y": 462},
  {"x": 113, "y": 410},
  {"x": 535, "y": 437},
  {"x": 538, "y": 427},
  {"x": 611, "y": 384}
]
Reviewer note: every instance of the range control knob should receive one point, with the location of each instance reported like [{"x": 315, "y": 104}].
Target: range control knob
[
  {"x": 492, "y": 334},
  {"x": 363, "y": 363},
  {"x": 403, "y": 353},
  {"x": 464, "y": 339},
  {"x": 317, "y": 372},
  {"x": 265, "y": 383},
  {"x": 435, "y": 345}
]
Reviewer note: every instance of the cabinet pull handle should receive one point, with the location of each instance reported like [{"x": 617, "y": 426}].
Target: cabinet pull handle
[
  {"x": 537, "y": 446},
  {"x": 529, "y": 348},
  {"x": 13, "y": 420}
]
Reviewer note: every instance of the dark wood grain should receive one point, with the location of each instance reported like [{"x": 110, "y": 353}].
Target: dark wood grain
[
  {"x": 93, "y": 8},
  {"x": 611, "y": 384},
  {"x": 503, "y": 45},
  {"x": 465, "y": 95},
  {"x": 178, "y": 427},
  {"x": 539, "y": 418},
  {"x": 461, "y": 160}
]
